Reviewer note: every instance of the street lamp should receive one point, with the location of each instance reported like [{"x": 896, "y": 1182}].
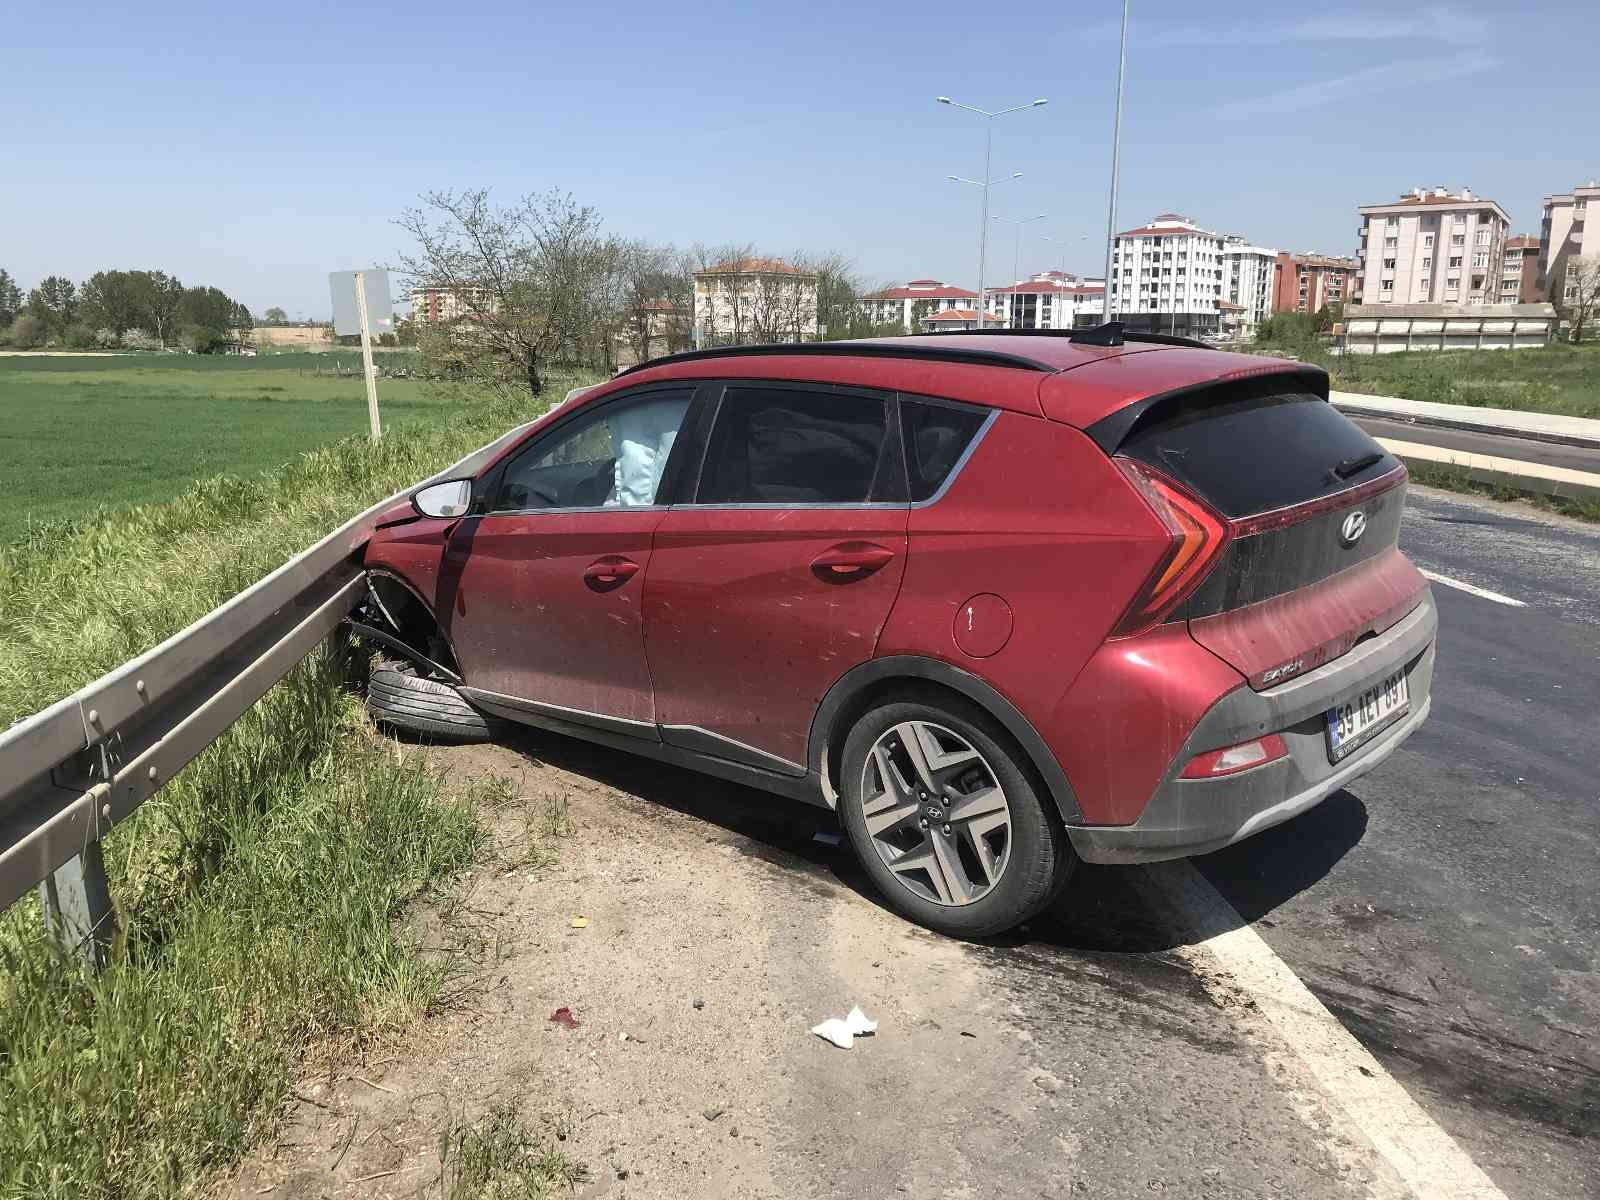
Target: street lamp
[
  {"x": 1016, "y": 261},
  {"x": 988, "y": 145}
]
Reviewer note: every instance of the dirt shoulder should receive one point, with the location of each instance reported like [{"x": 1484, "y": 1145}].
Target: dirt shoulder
[{"x": 717, "y": 932}]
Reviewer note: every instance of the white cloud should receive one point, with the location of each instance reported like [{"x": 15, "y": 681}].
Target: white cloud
[
  {"x": 1356, "y": 85},
  {"x": 1435, "y": 23}
]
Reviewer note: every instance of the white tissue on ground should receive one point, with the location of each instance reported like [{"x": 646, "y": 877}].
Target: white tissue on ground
[{"x": 843, "y": 1031}]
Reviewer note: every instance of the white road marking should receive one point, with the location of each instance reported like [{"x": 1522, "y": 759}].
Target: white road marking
[
  {"x": 1422, "y": 1154},
  {"x": 1473, "y": 589}
]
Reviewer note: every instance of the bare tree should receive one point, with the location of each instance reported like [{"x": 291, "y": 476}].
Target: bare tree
[
  {"x": 657, "y": 297},
  {"x": 523, "y": 278},
  {"x": 1580, "y": 291}
]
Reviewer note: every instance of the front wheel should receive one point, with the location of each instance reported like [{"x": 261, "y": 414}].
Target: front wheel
[{"x": 945, "y": 817}]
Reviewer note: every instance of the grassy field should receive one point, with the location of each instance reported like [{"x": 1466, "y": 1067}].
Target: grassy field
[
  {"x": 81, "y": 434},
  {"x": 1561, "y": 378},
  {"x": 256, "y": 896}
]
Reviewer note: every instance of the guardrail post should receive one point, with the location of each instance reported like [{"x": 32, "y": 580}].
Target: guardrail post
[{"x": 77, "y": 906}]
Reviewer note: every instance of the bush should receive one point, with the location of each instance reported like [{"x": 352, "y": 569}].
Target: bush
[
  {"x": 138, "y": 339},
  {"x": 27, "y": 332},
  {"x": 79, "y": 336}
]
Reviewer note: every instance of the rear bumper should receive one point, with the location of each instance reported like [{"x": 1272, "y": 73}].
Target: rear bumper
[{"x": 1194, "y": 816}]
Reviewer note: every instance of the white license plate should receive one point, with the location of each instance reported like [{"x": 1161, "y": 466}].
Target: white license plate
[{"x": 1362, "y": 717}]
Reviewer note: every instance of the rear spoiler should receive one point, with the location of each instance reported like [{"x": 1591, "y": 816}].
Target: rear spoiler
[{"x": 1249, "y": 384}]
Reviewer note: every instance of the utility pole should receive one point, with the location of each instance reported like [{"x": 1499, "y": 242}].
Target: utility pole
[{"x": 1116, "y": 154}]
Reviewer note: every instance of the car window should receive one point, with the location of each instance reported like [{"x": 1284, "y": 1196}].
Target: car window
[
  {"x": 787, "y": 446},
  {"x": 937, "y": 435},
  {"x": 612, "y": 458}
]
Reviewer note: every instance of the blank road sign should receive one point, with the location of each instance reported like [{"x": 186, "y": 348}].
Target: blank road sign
[{"x": 380, "y": 309}]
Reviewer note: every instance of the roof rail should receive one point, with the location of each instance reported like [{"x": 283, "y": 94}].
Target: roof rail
[
  {"x": 909, "y": 347},
  {"x": 1111, "y": 333}
]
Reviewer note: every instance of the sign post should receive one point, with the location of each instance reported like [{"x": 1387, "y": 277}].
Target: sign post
[
  {"x": 366, "y": 355},
  {"x": 360, "y": 304}
]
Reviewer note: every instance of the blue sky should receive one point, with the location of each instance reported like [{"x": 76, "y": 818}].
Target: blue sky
[{"x": 258, "y": 152}]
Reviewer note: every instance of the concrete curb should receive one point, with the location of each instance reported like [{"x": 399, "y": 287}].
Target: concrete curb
[
  {"x": 1581, "y": 432},
  {"x": 1487, "y": 468}
]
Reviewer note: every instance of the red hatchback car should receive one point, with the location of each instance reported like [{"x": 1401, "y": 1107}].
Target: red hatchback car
[{"x": 1004, "y": 602}]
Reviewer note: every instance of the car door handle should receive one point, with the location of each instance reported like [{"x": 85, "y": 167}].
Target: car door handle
[
  {"x": 611, "y": 571},
  {"x": 851, "y": 560}
]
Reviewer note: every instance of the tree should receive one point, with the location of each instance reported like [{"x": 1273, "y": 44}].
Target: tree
[
  {"x": 274, "y": 316},
  {"x": 10, "y": 299},
  {"x": 159, "y": 297},
  {"x": 524, "y": 277},
  {"x": 1580, "y": 291},
  {"x": 657, "y": 293},
  {"x": 110, "y": 299},
  {"x": 54, "y": 302}
]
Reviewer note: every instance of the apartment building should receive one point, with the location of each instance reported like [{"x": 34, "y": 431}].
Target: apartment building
[
  {"x": 1308, "y": 283},
  {"x": 1048, "y": 300},
  {"x": 754, "y": 300},
  {"x": 1249, "y": 287},
  {"x": 910, "y": 304},
  {"x": 436, "y": 304},
  {"x": 1519, "y": 271},
  {"x": 1432, "y": 246},
  {"x": 1564, "y": 234},
  {"x": 1168, "y": 277}
]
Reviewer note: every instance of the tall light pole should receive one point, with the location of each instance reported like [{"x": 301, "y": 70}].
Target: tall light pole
[
  {"x": 988, "y": 146},
  {"x": 1016, "y": 260},
  {"x": 1116, "y": 154}
]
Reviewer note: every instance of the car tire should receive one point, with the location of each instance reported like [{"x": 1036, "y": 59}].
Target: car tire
[
  {"x": 398, "y": 698},
  {"x": 1038, "y": 858}
]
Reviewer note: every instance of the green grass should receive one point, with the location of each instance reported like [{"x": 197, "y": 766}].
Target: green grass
[
  {"x": 497, "y": 1158},
  {"x": 80, "y": 435},
  {"x": 256, "y": 894},
  {"x": 1456, "y": 478},
  {"x": 1562, "y": 378}
]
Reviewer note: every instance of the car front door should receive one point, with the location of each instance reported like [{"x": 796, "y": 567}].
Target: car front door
[
  {"x": 542, "y": 590},
  {"x": 778, "y": 575}
]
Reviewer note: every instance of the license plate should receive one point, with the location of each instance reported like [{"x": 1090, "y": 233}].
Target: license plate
[{"x": 1365, "y": 715}]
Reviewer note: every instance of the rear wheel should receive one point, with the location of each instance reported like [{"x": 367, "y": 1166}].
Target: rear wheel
[
  {"x": 399, "y": 698},
  {"x": 944, "y": 815}
]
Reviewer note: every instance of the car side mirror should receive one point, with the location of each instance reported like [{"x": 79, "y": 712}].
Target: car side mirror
[{"x": 450, "y": 499}]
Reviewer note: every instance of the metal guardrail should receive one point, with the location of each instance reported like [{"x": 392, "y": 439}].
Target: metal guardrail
[{"x": 69, "y": 774}]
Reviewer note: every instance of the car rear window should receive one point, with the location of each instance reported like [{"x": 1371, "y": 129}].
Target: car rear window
[
  {"x": 1253, "y": 455},
  {"x": 937, "y": 435},
  {"x": 789, "y": 446}
]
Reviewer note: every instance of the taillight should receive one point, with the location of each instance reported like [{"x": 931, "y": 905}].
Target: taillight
[
  {"x": 1196, "y": 537},
  {"x": 1230, "y": 760}
]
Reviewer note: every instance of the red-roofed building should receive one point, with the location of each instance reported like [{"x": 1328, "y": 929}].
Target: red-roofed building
[
  {"x": 1048, "y": 300},
  {"x": 1308, "y": 283},
  {"x": 910, "y": 304},
  {"x": 754, "y": 300},
  {"x": 1168, "y": 276},
  {"x": 1519, "y": 270},
  {"x": 950, "y": 320},
  {"x": 1432, "y": 246}
]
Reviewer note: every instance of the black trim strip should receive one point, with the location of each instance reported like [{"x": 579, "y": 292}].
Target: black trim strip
[{"x": 981, "y": 358}]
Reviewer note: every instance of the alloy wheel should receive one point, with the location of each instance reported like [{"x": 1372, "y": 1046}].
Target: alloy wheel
[{"x": 936, "y": 813}]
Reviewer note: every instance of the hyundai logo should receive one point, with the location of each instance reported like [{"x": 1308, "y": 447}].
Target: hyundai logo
[{"x": 1352, "y": 529}]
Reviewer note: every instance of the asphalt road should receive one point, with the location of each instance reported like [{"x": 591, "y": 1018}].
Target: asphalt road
[
  {"x": 1446, "y": 907},
  {"x": 1552, "y": 454}
]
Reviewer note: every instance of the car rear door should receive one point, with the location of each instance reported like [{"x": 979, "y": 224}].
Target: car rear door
[
  {"x": 778, "y": 575},
  {"x": 541, "y": 594}
]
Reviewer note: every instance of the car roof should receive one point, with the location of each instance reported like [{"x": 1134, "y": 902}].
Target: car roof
[{"x": 1036, "y": 374}]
